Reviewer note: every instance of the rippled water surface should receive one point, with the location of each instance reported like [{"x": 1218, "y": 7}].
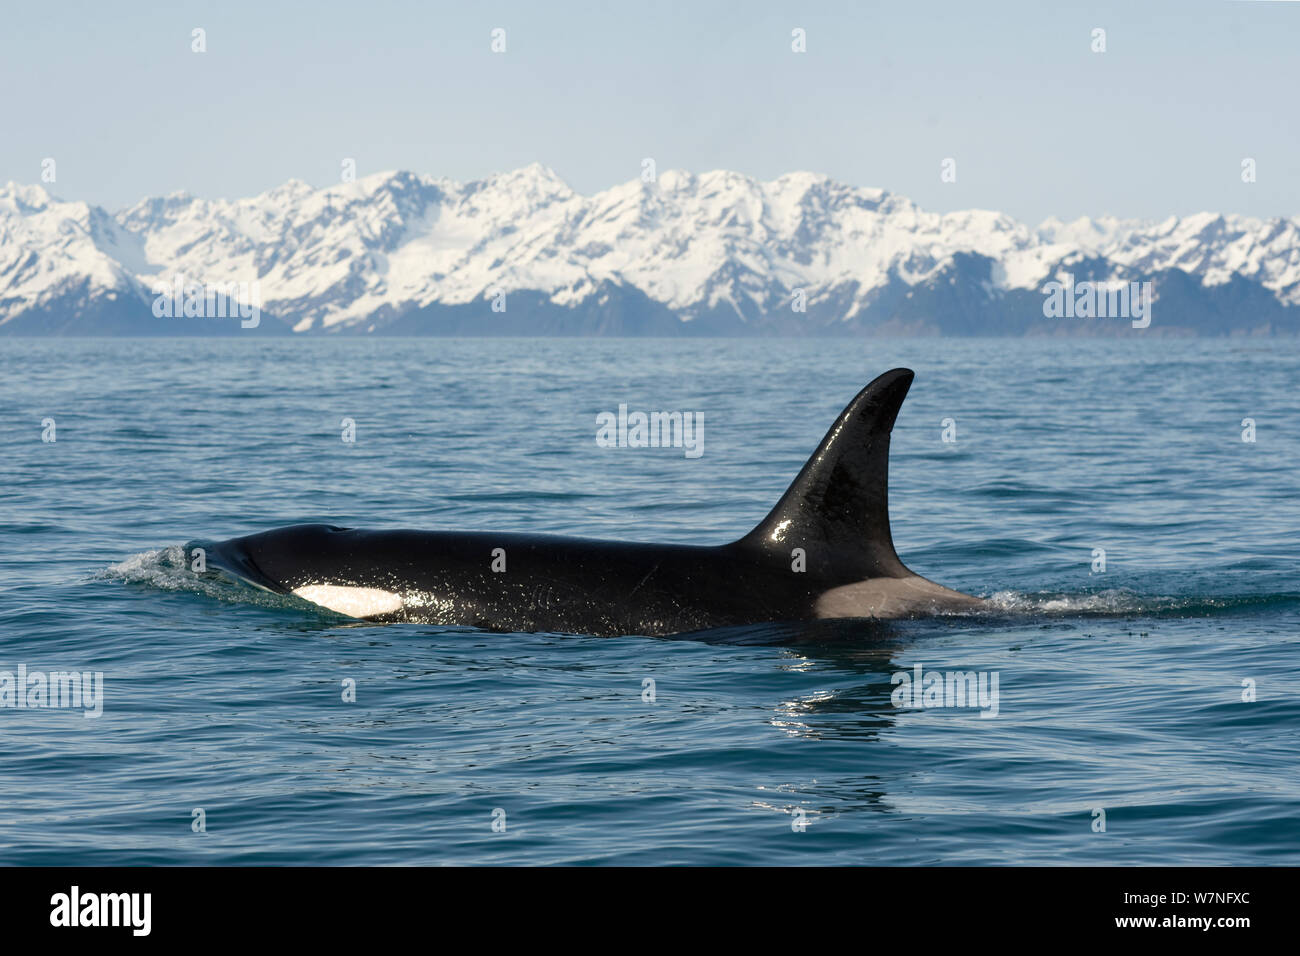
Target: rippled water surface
[{"x": 1120, "y": 693}]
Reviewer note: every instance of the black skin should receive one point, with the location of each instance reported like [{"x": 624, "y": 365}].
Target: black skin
[
  {"x": 829, "y": 530},
  {"x": 550, "y": 583}
]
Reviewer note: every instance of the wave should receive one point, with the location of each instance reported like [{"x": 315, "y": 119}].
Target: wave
[
  {"x": 1125, "y": 601},
  {"x": 167, "y": 569}
]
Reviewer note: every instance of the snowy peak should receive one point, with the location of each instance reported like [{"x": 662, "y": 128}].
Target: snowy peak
[{"x": 719, "y": 249}]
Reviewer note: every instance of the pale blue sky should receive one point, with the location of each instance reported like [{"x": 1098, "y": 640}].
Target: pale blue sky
[{"x": 1038, "y": 124}]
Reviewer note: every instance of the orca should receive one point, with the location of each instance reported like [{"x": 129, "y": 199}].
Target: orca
[{"x": 824, "y": 552}]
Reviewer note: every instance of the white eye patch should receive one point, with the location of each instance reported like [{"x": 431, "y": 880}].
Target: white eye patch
[{"x": 354, "y": 602}]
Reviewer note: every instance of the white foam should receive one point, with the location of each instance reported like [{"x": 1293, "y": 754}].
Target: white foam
[
  {"x": 161, "y": 568},
  {"x": 1111, "y": 601}
]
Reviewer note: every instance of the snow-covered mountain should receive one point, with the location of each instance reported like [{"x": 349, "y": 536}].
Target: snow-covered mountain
[{"x": 721, "y": 253}]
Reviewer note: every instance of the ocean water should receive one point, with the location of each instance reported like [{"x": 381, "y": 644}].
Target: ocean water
[{"x": 1159, "y": 696}]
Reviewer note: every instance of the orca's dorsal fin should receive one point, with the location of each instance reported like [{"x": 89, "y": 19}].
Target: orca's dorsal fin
[{"x": 837, "y": 509}]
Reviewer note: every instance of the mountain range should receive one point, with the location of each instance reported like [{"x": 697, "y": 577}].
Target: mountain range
[{"x": 720, "y": 253}]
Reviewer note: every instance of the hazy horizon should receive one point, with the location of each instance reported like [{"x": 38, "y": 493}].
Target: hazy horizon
[
  {"x": 1037, "y": 123},
  {"x": 54, "y": 192}
]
